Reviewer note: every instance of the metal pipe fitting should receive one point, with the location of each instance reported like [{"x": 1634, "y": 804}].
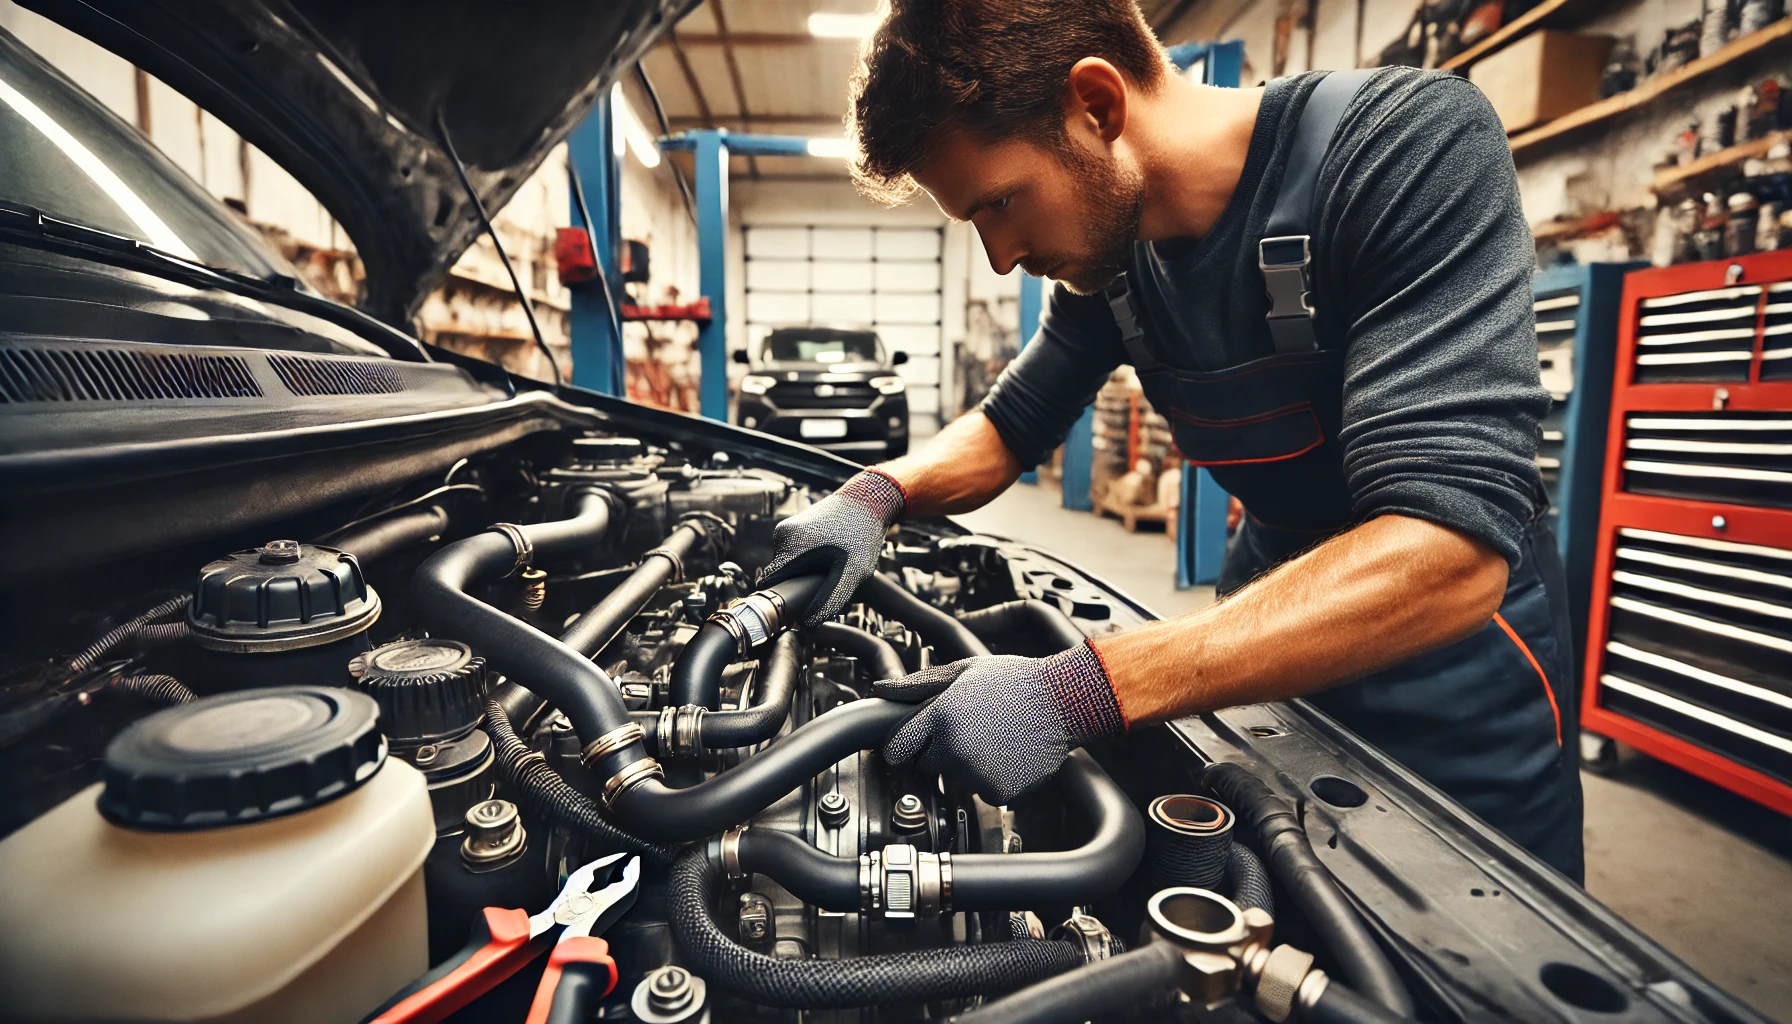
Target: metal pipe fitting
[
  {"x": 680, "y": 730},
  {"x": 1216, "y": 938},
  {"x": 900, "y": 881}
]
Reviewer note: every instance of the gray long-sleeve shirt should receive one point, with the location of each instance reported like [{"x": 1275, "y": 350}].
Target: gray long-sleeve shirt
[{"x": 1422, "y": 264}]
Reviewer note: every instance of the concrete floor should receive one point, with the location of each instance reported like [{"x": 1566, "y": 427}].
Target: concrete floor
[{"x": 1704, "y": 872}]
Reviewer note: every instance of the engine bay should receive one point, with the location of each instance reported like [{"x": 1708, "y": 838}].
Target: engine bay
[{"x": 566, "y": 639}]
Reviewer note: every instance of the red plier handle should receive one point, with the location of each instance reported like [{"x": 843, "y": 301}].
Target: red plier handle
[
  {"x": 580, "y": 972},
  {"x": 500, "y": 946}
]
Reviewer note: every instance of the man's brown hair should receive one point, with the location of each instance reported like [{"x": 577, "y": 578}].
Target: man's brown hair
[{"x": 996, "y": 69}]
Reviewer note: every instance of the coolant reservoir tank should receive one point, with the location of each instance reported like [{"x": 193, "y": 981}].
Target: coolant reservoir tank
[{"x": 253, "y": 856}]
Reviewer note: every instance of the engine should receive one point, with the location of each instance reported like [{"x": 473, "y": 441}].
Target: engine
[{"x": 570, "y": 645}]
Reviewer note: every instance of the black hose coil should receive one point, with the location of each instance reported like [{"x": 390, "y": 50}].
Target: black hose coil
[
  {"x": 1190, "y": 838},
  {"x": 926, "y": 975},
  {"x": 166, "y": 691}
]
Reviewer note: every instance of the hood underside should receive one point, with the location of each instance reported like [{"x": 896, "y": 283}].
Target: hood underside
[{"x": 348, "y": 96}]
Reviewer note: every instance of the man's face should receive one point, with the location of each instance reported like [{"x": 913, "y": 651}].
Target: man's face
[{"x": 1061, "y": 212}]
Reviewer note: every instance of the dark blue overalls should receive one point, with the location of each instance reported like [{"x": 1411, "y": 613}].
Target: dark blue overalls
[{"x": 1491, "y": 720}]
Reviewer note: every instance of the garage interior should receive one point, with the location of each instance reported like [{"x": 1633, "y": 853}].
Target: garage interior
[{"x": 1644, "y": 146}]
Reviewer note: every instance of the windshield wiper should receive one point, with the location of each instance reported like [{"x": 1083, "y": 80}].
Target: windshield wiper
[{"x": 33, "y": 226}]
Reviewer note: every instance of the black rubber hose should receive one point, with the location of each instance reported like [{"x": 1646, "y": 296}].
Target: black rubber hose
[
  {"x": 1307, "y": 882},
  {"x": 558, "y": 673},
  {"x": 911, "y": 978},
  {"x": 1031, "y": 617},
  {"x": 657, "y": 811},
  {"x": 597, "y": 627},
  {"x": 1340, "y": 1005},
  {"x": 948, "y": 635},
  {"x": 697, "y": 674},
  {"x": 1247, "y": 880},
  {"x": 984, "y": 881},
  {"x": 776, "y": 686},
  {"x": 879, "y": 657},
  {"x": 374, "y": 541},
  {"x": 122, "y": 632},
  {"x": 1095, "y": 991},
  {"x": 157, "y": 689},
  {"x": 542, "y": 793}
]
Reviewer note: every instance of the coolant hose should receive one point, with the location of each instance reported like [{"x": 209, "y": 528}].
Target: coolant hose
[
  {"x": 911, "y": 978},
  {"x": 1032, "y": 618},
  {"x": 664, "y": 564},
  {"x": 558, "y": 673},
  {"x": 949, "y": 636},
  {"x": 776, "y": 686},
  {"x": 1339, "y": 1005},
  {"x": 982, "y": 881},
  {"x": 373, "y": 541},
  {"x": 658, "y": 811},
  {"x": 1310, "y": 885},
  {"x": 1096, "y": 991},
  {"x": 697, "y": 674},
  {"x": 544, "y": 794},
  {"x": 880, "y": 658},
  {"x": 1247, "y": 880}
]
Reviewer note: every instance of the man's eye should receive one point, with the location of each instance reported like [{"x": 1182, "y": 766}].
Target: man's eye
[{"x": 1000, "y": 204}]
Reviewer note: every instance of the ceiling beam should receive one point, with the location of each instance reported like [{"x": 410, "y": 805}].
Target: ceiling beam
[
  {"x": 818, "y": 120},
  {"x": 690, "y": 79},
  {"x": 740, "y": 89},
  {"x": 758, "y": 39}
]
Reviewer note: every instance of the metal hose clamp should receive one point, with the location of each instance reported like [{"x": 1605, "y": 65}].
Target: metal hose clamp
[
  {"x": 525, "y": 548},
  {"x": 610, "y": 742},
  {"x": 681, "y": 730},
  {"x": 902, "y": 882},
  {"x": 671, "y": 556},
  {"x": 631, "y": 775},
  {"x": 731, "y": 853},
  {"x": 752, "y": 620}
]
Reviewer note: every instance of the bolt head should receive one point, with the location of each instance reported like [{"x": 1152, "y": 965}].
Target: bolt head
[
  {"x": 280, "y": 552},
  {"x": 1214, "y": 976}
]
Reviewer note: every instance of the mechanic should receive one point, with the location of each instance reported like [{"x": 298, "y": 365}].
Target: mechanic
[{"x": 1324, "y": 285}]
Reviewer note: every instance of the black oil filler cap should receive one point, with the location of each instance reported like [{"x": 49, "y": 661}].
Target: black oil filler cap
[
  {"x": 241, "y": 757},
  {"x": 428, "y": 690}
]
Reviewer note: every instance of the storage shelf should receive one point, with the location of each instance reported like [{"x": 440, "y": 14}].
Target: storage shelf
[
  {"x": 469, "y": 277},
  {"x": 1556, "y": 13},
  {"x": 1675, "y": 178},
  {"x": 1648, "y": 91}
]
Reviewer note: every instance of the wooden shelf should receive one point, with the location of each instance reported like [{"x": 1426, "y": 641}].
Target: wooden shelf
[
  {"x": 462, "y": 332},
  {"x": 1557, "y": 13},
  {"x": 503, "y": 285},
  {"x": 1675, "y": 178},
  {"x": 1648, "y": 91}
]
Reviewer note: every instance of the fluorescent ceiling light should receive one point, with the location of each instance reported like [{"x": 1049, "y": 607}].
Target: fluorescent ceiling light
[
  {"x": 833, "y": 146},
  {"x": 829, "y": 25},
  {"x": 630, "y": 132}
]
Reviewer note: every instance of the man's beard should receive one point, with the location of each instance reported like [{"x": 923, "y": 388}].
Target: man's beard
[{"x": 1114, "y": 204}]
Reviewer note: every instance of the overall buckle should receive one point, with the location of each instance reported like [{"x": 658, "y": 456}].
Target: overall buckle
[{"x": 1284, "y": 261}]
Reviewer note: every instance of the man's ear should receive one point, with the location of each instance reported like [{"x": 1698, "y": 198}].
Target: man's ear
[{"x": 1095, "y": 96}]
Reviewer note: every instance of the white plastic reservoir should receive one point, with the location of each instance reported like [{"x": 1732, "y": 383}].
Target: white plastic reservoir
[{"x": 250, "y": 857}]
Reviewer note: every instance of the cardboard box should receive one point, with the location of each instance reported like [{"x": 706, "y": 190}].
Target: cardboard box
[{"x": 1542, "y": 76}]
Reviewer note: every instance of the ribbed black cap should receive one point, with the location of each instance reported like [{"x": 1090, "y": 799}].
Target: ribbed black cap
[
  {"x": 241, "y": 757},
  {"x": 428, "y": 690},
  {"x": 279, "y": 597}
]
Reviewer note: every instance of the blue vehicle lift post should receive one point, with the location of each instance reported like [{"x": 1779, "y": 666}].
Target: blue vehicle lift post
[{"x": 596, "y": 350}]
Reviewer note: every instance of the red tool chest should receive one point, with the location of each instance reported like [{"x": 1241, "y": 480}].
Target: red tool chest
[{"x": 1689, "y": 633}]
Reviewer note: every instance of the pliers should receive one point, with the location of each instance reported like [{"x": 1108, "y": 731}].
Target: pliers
[{"x": 579, "y": 971}]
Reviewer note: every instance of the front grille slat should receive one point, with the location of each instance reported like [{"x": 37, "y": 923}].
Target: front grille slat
[{"x": 312, "y": 377}]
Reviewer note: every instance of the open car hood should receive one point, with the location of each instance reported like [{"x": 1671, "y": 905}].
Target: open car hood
[{"x": 346, "y": 96}]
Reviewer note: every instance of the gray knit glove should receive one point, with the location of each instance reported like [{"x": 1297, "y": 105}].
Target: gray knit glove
[
  {"x": 840, "y": 537},
  {"x": 1001, "y": 724}
]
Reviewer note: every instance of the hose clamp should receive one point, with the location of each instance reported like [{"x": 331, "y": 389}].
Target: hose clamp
[
  {"x": 632, "y": 775},
  {"x": 671, "y": 556},
  {"x": 731, "y": 853},
  {"x": 752, "y": 620},
  {"x": 1087, "y": 931},
  {"x": 610, "y": 742},
  {"x": 525, "y": 548},
  {"x": 901, "y": 882},
  {"x": 681, "y": 730},
  {"x": 945, "y": 860}
]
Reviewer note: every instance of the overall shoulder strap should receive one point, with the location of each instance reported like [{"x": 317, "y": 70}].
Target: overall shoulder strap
[
  {"x": 1132, "y": 330},
  {"x": 1285, "y": 253}
]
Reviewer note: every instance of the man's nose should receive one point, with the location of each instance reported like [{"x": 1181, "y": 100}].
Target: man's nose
[{"x": 1003, "y": 255}]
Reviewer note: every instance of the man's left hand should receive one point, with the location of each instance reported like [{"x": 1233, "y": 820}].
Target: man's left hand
[{"x": 1001, "y": 724}]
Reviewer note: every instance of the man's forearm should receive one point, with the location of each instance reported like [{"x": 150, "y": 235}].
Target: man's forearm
[
  {"x": 960, "y": 469},
  {"x": 1390, "y": 589}
]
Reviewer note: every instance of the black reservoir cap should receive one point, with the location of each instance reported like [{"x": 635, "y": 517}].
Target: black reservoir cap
[
  {"x": 428, "y": 690},
  {"x": 241, "y": 757},
  {"x": 281, "y": 596}
]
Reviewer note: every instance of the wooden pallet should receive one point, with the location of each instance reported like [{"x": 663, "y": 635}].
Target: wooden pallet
[{"x": 1131, "y": 516}]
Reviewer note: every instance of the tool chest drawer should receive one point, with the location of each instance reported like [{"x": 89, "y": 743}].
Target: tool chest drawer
[{"x": 1689, "y": 633}]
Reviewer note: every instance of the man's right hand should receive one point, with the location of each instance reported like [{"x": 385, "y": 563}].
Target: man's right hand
[{"x": 840, "y": 537}]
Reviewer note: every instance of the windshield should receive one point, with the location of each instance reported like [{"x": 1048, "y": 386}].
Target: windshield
[
  {"x": 63, "y": 153},
  {"x": 822, "y": 347}
]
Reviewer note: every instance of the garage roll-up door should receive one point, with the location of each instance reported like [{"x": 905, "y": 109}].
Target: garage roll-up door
[{"x": 884, "y": 278}]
